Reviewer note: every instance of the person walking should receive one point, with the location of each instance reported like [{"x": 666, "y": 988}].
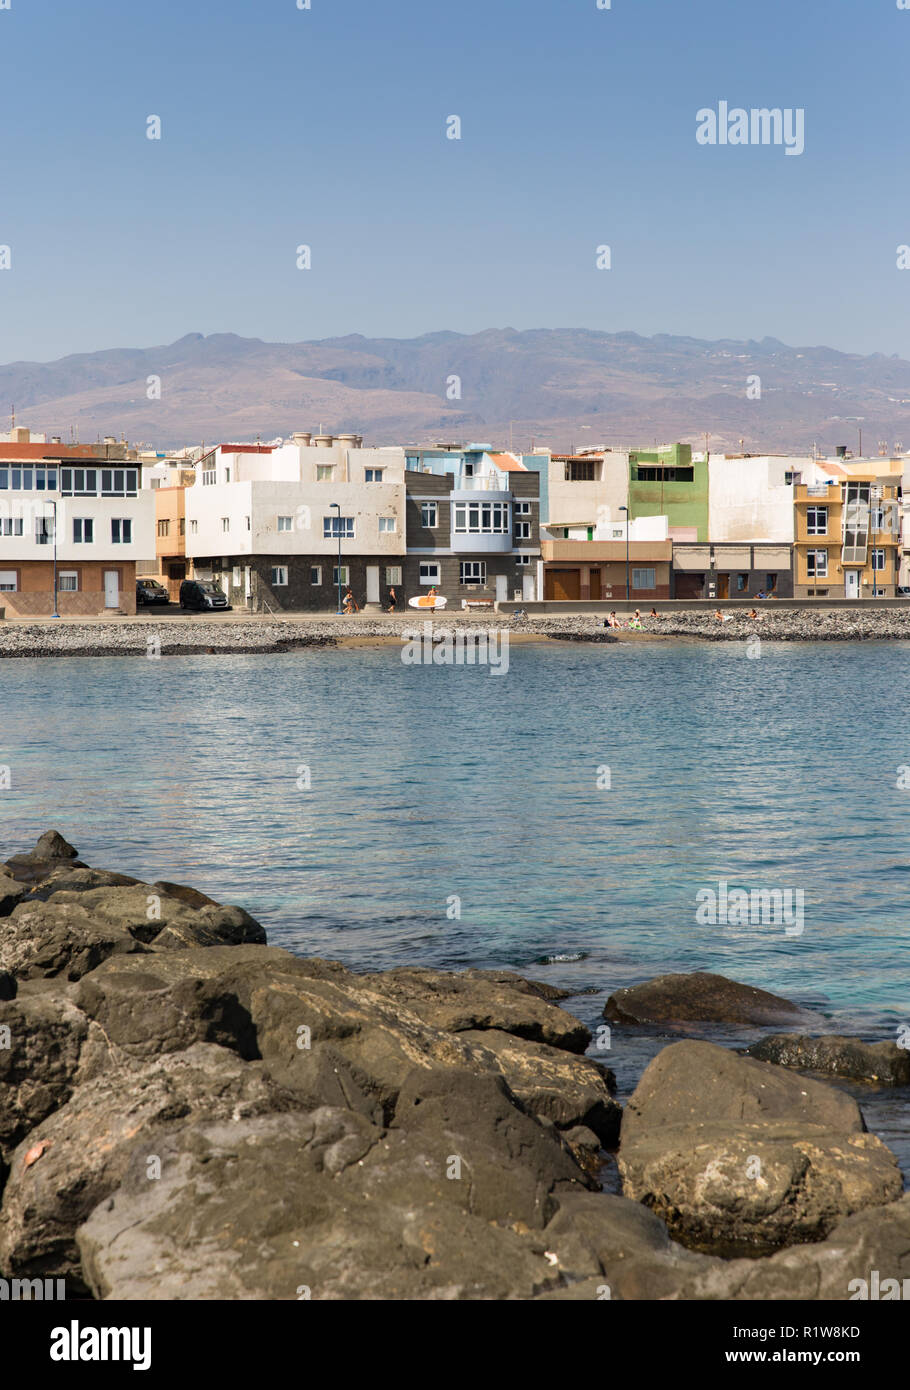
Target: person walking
[{"x": 393, "y": 599}]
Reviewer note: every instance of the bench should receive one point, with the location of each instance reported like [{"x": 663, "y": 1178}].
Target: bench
[{"x": 477, "y": 603}]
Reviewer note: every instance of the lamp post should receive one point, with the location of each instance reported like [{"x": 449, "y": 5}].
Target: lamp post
[
  {"x": 55, "y": 614},
  {"x": 338, "y": 505},
  {"x": 626, "y": 510}
]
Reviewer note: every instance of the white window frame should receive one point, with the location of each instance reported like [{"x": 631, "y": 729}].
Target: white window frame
[
  {"x": 9, "y": 582},
  {"x": 325, "y": 472},
  {"x": 68, "y": 588},
  {"x": 121, "y": 530},
  {"x": 521, "y": 508},
  {"x": 429, "y": 510},
  {"x": 333, "y": 526},
  {"x": 194, "y": 526},
  {"x": 813, "y": 516},
  {"x": 524, "y": 559},
  {"x": 644, "y": 569},
  {"x": 83, "y": 522},
  {"x": 11, "y": 526},
  {"x": 482, "y": 518},
  {"x": 387, "y": 524},
  {"x": 429, "y": 572},
  {"x": 393, "y": 574},
  {"x": 317, "y": 570},
  {"x": 276, "y": 573},
  {"x": 472, "y": 572},
  {"x": 373, "y": 475},
  {"x": 522, "y": 530},
  {"x": 285, "y": 523},
  {"x": 812, "y": 559},
  {"x": 345, "y": 576},
  {"x": 879, "y": 559},
  {"x": 225, "y": 523}
]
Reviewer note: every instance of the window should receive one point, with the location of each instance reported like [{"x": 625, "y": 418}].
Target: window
[
  {"x": 491, "y": 518},
  {"x": 194, "y": 528},
  {"x": 315, "y": 574},
  {"x": 387, "y": 524},
  {"x": 644, "y": 579},
  {"x": 163, "y": 528},
  {"x": 340, "y": 576},
  {"x": 393, "y": 574},
  {"x": 248, "y": 523},
  {"x": 118, "y": 482},
  {"x": 374, "y": 475},
  {"x": 878, "y": 560},
  {"x": 335, "y": 526},
  {"x": 237, "y": 577},
  {"x": 121, "y": 531},
  {"x": 429, "y": 515},
  {"x": 582, "y": 470},
  {"x": 227, "y": 475},
  {"x": 285, "y": 523},
  {"x": 79, "y": 482},
  {"x": 817, "y": 564},
  {"x": 182, "y": 526},
  {"x": 742, "y": 582},
  {"x": 83, "y": 530},
  {"x": 473, "y": 572},
  {"x": 469, "y": 470},
  {"x": 9, "y": 581},
  {"x": 429, "y": 572},
  {"x": 209, "y": 477},
  {"x": 523, "y": 559},
  {"x": 791, "y": 477},
  {"x": 45, "y": 479},
  {"x": 68, "y": 581},
  {"x": 523, "y": 531},
  {"x": 770, "y": 583},
  {"x": 225, "y": 523},
  {"x": 817, "y": 521},
  {"x": 521, "y": 508},
  {"x": 279, "y": 576},
  {"x": 11, "y": 526},
  {"x": 645, "y": 474},
  {"x": 44, "y": 530},
  {"x": 325, "y": 472}
]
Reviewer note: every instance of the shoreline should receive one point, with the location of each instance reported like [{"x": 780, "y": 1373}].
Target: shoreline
[{"x": 144, "y": 635}]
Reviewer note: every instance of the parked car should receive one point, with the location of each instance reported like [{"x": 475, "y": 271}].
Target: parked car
[
  {"x": 149, "y": 591},
  {"x": 903, "y": 591},
  {"x": 203, "y": 594}
]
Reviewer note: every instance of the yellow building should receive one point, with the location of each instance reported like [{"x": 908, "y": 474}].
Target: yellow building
[{"x": 847, "y": 534}]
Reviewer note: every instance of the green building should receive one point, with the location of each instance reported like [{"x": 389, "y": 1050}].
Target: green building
[{"x": 666, "y": 482}]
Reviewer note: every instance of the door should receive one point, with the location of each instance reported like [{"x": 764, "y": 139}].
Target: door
[
  {"x": 595, "y": 584},
  {"x": 372, "y": 583},
  {"x": 502, "y": 588},
  {"x": 851, "y": 580},
  {"x": 562, "y": 584},
  {"x": 112, "y": 588},
  {"x": 723, "y": 586}
]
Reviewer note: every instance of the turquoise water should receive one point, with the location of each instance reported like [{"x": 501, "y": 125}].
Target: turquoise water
[{"x": 435, "y": 783}]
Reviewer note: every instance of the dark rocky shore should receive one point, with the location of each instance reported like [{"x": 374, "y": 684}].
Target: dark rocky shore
[{"x": 187, "y": 1112}]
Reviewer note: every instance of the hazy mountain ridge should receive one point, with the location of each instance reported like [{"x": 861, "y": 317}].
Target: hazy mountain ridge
[{"x": 557, "y": 386}]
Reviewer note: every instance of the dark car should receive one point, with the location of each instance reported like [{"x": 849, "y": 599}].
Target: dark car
[
  {"x": 149, "y": 591},
  {"x": 203, "y": 594}
]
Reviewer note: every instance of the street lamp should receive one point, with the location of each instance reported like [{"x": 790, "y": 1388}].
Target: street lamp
[
  {"x": 55, "y": 614},
  {"x": 338, "y": 505},
  {"x": 626, "y": 510}
]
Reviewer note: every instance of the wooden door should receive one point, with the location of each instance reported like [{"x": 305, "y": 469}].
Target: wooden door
[
  {"x": 596, "y": 591},
  {"x": 562, "y": 585}
]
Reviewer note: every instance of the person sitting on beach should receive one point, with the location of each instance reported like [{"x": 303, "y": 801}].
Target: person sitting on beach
[
  {"x": 718, "y": 615},
  {"x": 754, "y": 614},
  {"x": 653, "y": 613},
  {"x": 760, "y": 594}
]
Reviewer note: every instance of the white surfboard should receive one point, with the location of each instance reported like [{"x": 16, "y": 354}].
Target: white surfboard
[{"x": 427, "y": 601}]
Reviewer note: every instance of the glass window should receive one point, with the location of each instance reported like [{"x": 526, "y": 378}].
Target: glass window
[
  {"x": 44, "y": 530},
  {"x": 285, "y": 523},
  {"x": 429, "y": 515},
  {"x": 121, "y": 530},
  {"x": 315, "y": 574},
  {"x": 644, "y": 579},
  {"x": 340, "y": 576},
  {"x": 279, "y": 576},
  {"x": 194, "y": 528},
  {"x": 878, "y": 560},
  {"x": 393, "y": 574},
  {"x": 83, "y": 530},
  {"x": 68, "y": 581},
  {"x": 325, "y": 472},
  {"x": 817, "y": 564},
  {"x": 490, "y": 518},
  {"x": 473, "y": 572},
  {"x": 225, "y": 523},
  {"x": 387, "y": 523},
  {"x": 334, "y": 526},
  {"x": 429, "y": 572},
  {"x": 9, "y": 581},
  {"x": 817, "y": 521},
  {"x": 523, "y": 531},
  {"x": 374, "y": 475}
]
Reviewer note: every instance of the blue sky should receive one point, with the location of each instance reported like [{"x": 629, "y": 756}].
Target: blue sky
[{"x": 327, "y": 127}]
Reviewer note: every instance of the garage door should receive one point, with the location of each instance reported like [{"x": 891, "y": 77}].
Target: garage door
[{"x": 562, "y": 584}]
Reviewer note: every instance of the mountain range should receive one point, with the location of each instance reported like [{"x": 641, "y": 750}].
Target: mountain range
[{"x": 568, "y": 388}]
